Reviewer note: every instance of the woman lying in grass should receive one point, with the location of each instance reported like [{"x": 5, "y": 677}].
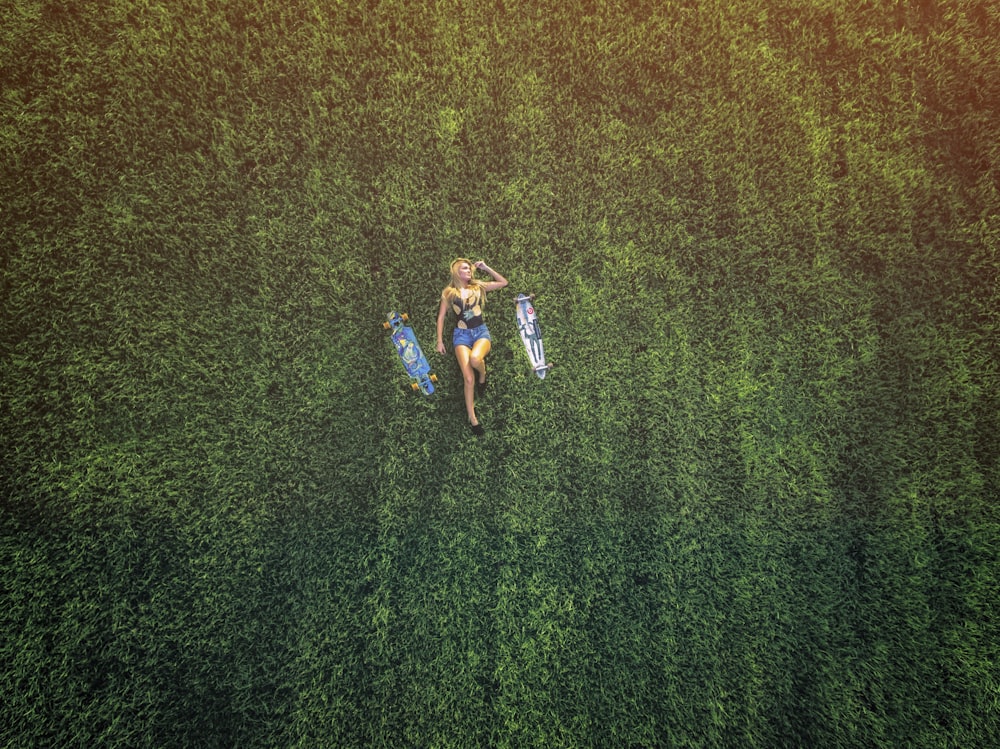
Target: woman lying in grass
[{"x": 466, "y": 297}]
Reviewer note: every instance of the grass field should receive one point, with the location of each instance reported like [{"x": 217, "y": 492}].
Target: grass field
[{"x": 753, "y": 505}]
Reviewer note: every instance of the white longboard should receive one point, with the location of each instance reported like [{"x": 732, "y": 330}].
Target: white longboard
[{"x": 531, "y": 334}]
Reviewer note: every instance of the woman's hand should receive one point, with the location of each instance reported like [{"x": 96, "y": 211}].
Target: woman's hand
[{"x": 440, "y": 348}]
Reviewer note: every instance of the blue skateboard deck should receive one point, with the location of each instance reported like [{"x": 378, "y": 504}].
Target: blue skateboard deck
[
  {"x": 410, "y": 353},
  {"x": 531, "y": 334}
]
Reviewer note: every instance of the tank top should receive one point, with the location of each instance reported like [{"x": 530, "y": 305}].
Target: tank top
[{"x": 468, "y": 308}]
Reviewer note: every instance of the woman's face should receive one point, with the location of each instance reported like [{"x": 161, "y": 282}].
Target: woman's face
[{"x": 464, "y": 272}]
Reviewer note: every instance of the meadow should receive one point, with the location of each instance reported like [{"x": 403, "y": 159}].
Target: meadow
[{"x": 754, "y": 504}]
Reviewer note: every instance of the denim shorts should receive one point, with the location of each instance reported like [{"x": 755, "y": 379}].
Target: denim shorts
[{"x": 468, "y": 336}]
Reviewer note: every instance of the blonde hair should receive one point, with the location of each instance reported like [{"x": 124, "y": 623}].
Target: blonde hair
[{"x": 453, "y": 290}]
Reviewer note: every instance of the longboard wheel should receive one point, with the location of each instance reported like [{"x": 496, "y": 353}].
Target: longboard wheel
[
  {"x": 414, "y": 386},
  {"x": 434, "y": 378},
  {"x": 386, "y": 325},
  {"x": 406, "y": 317}
]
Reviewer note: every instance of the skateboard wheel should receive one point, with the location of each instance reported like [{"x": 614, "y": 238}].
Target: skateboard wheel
[
  {"x": 434, "y": 378},
  {"x": 415, "y": 387},
  {"x": 406, "y": 317},
  {"x": 386, "y": 325}
]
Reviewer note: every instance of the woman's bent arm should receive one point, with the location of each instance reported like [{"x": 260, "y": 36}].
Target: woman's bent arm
[{"x": 498, "y": 281}]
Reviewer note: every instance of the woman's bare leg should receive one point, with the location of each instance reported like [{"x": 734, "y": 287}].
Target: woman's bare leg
[
  {"x": 477, "y": 357},
  {"x": 464, "y": 354}
]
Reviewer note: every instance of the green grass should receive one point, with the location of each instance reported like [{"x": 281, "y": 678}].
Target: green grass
[{"x": 753, "y": 505}]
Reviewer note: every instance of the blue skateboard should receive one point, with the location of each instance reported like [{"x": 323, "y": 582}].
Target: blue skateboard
[
  {"x": 531, "y": 334},
  {"x": 410, "y": 354}
]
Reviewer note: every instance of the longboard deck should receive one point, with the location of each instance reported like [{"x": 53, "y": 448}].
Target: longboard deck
[
  {"x": 410, "y": 354},
  {"x": 531, "y": 334}
]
